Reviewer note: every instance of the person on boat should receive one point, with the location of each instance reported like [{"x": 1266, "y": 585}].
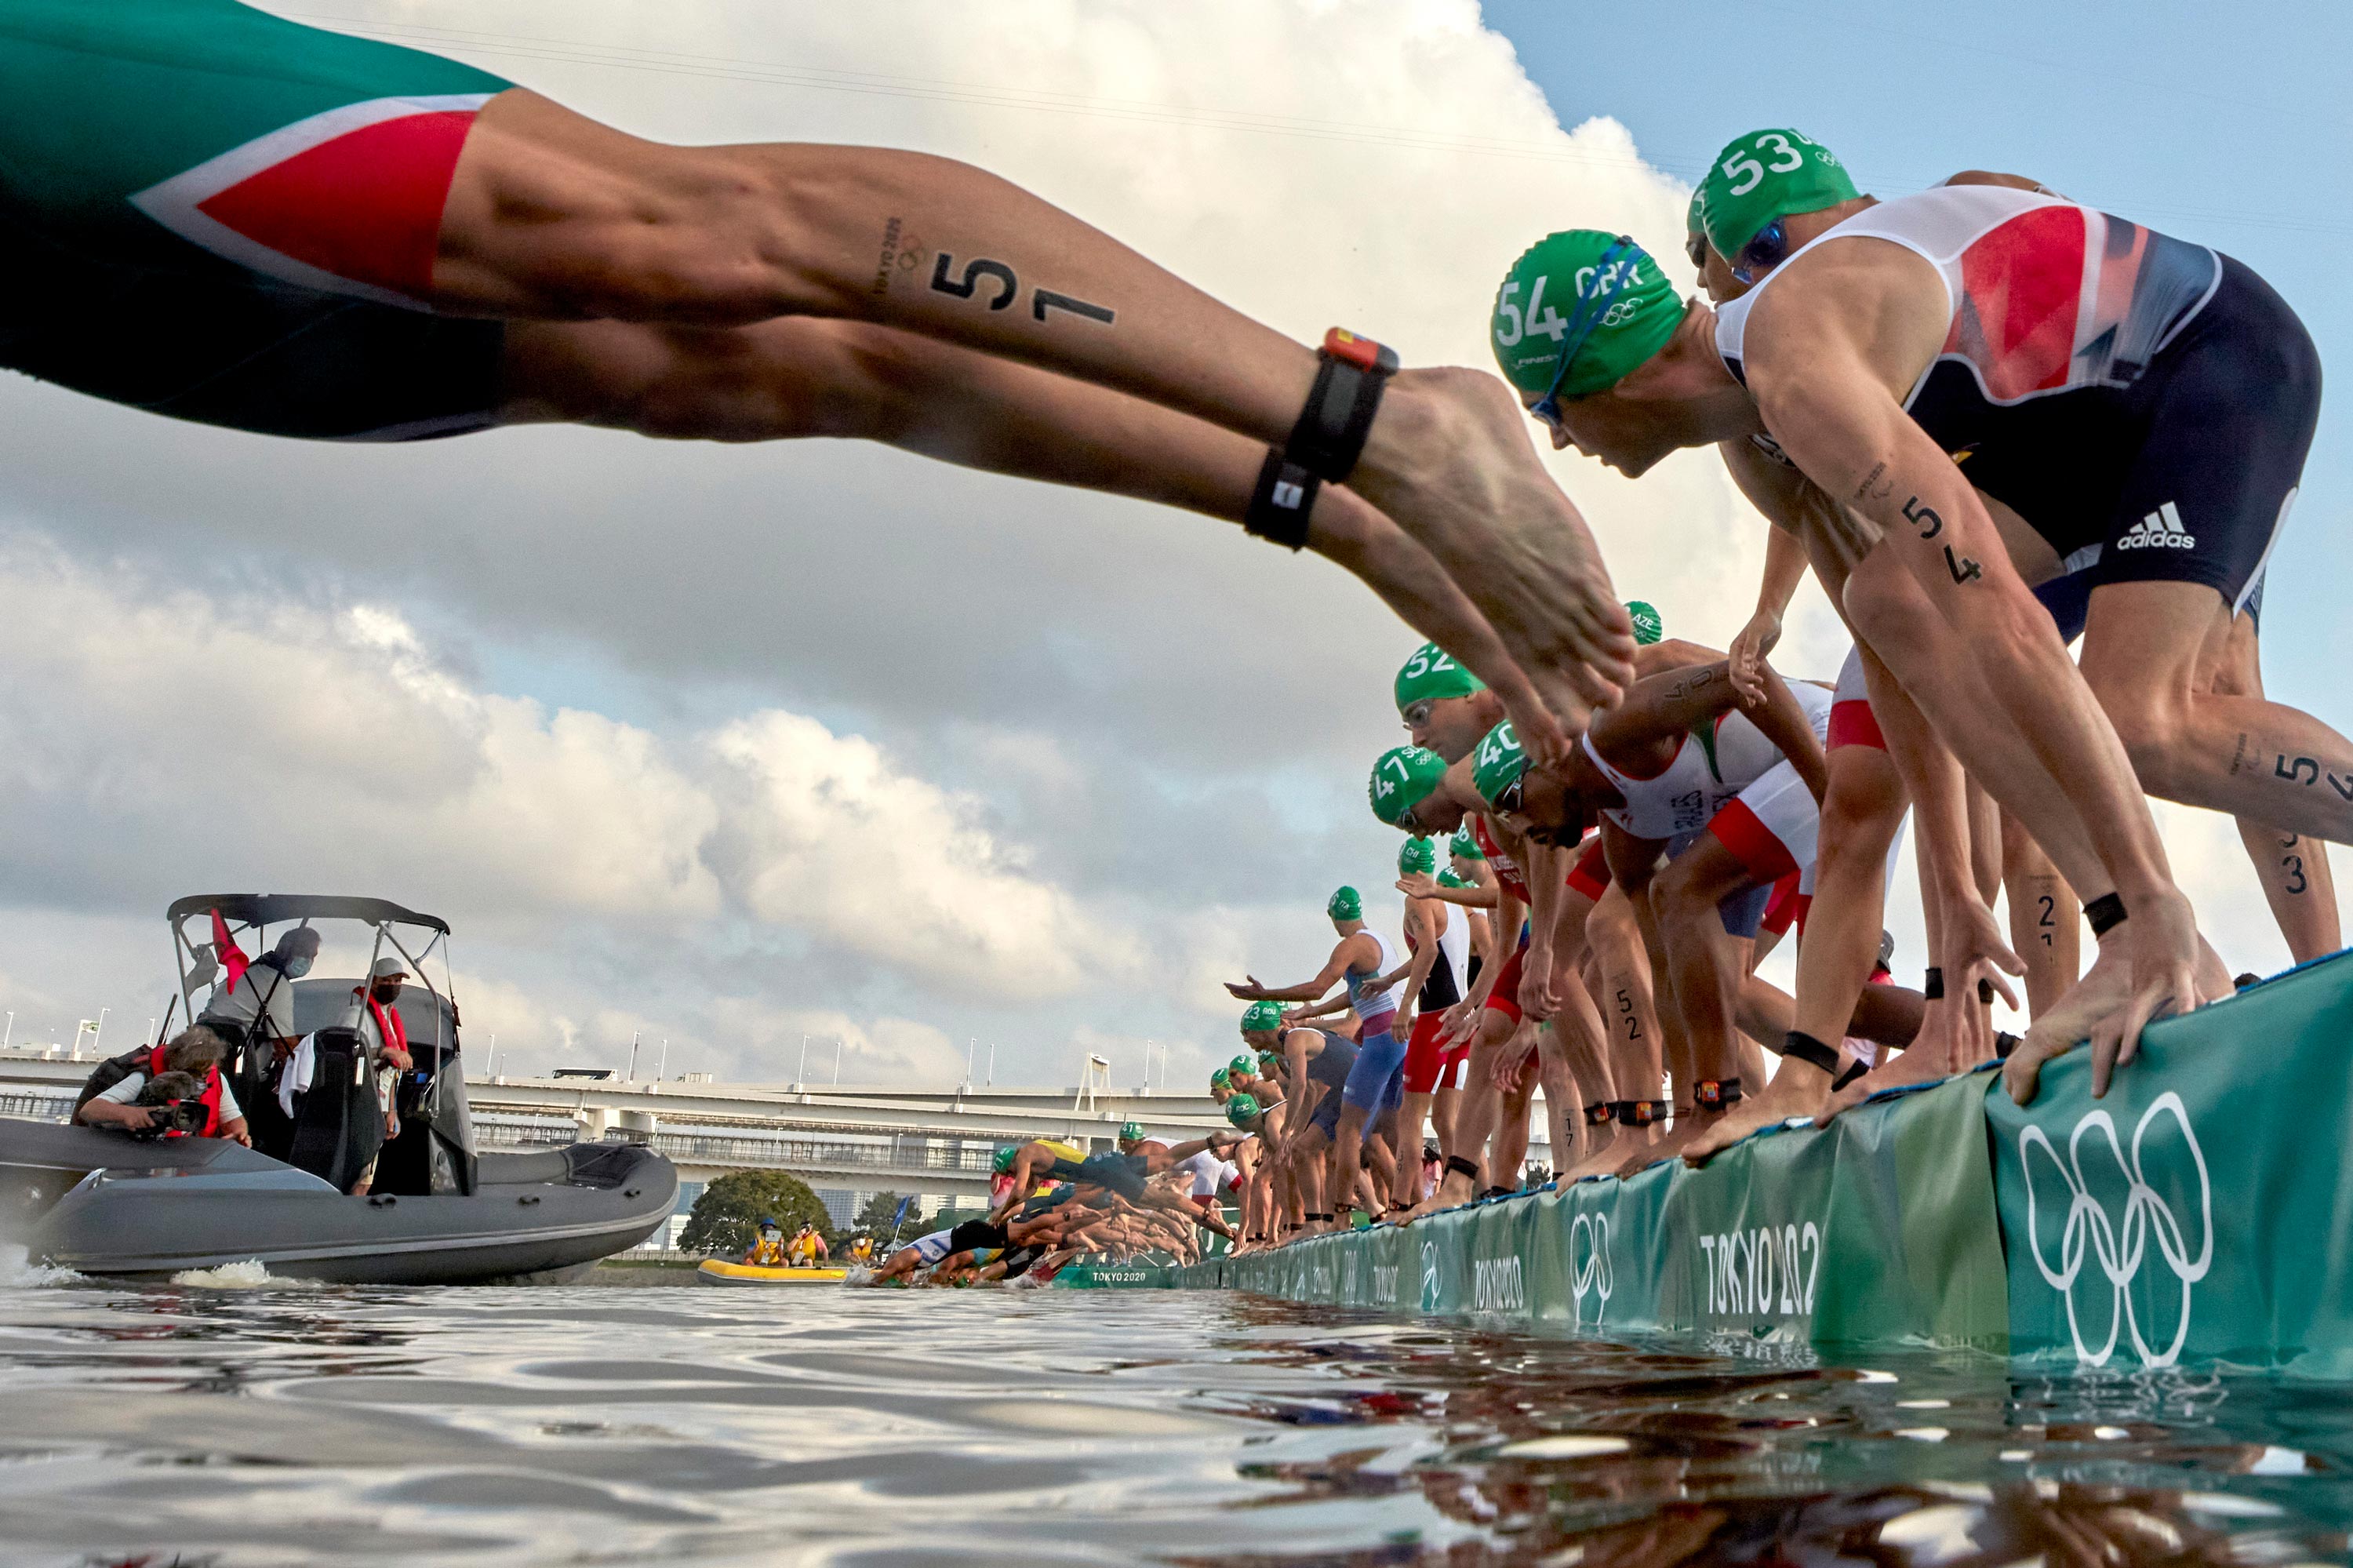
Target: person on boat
[
  {"x": 768, "y": 1251},
  {"x": 112, "y": 1095},
  {"x": 382, "y": 245},
  {"x": 255, "y": 1017},
  {"x": 805, "y": 1248}
]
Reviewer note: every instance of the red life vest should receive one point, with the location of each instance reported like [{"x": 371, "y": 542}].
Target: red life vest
[{"x": 210, "y": 1099}]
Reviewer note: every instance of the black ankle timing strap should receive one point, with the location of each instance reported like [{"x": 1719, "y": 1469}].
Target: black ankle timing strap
[
  {"x": 1641, "y": 1113},
  {"x": 1455, "y": 1162},
  {"x": 1327, "y": 440},
  {"x": 1854, "y": 1069},
  {"x": 1598, "y": 1113},
  {"x": 1805, "y": 1048},
  {"x": 2105, "y": 913},
  {"x": 1716, "y": 1093},
  {"x": 2004, "y": 1042}
]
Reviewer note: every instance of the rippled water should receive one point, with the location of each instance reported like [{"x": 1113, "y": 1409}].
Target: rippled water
[{"x": 285, "y": 1423}]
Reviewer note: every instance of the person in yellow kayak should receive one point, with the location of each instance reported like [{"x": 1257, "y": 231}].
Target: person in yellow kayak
[
  {"x": 805, "y": 1249},
  {"x": 768, "y": 1252},
  {"x": 861, "y": 1248}
]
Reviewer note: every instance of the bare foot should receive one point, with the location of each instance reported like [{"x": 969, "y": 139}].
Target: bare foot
[
  {"x": 1910, "y": 1068},
  {"x": 1799, "y": 1089},
  {"x": 1682, "y": 1133},
  {"x": 1452, "y": 460},
  {"x": 1605, "y": 1161},
  {"x": 2105, "y": 989}
]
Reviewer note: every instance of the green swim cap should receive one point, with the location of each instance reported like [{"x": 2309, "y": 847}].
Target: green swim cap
[
  {"x": 1344, "y": 905},
  {"x": 1131, "y": 1132},
  {"x": 1220, "y": 1079},
  {"x": 1004, "y": 1159},
  {"x": 1242, "y": 1110},
  {"x": 1403, "y": 778},
  {"x": 1647, "y": 627},
  {"x": 1261, "y": 1015},
  {"x": 1497, "y": 762},
  {"x": 1432, "y": 672},
  {"x": 1597, "y": 297},
  {"x": 1763, "y": 176},
  {"x": 1245, "y": 1063},
  {"x": 1451, "y": 878},
  {"x": 1416, "y": 857},
  {"x": 1269, "y": 1064},
  {"x": 1464, "y": 845},
  {"x": 1693, "y": 223}
]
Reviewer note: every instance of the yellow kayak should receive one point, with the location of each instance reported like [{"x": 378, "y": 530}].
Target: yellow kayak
[{"x": 719, "y": 1271}]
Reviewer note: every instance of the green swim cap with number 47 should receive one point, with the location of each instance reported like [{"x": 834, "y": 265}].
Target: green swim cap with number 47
[
  {"x": 1763, "y": 176},
  {"x": 1498, "y": 762},
  {"x": 1260, "y": 1016},
  {"x": 1403, "y": 778},
  {"x": 1595, "y": 299},
  {"x": 1433, "y": 673}
]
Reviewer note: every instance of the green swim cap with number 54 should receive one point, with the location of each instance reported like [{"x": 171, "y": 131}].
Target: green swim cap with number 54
[{"x": 1595, "y": 300}]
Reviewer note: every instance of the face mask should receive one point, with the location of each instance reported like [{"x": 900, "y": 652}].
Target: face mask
[
  {"x": 387, "y": 994},
  {"x": 296, "y": 968}
]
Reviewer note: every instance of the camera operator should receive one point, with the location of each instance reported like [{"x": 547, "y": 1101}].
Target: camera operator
[{"x": 116, "y": 1094}]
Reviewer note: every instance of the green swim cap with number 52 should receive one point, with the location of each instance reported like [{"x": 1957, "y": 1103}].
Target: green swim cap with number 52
[
  {"x": 1595, "y": 300},
  {"x": 1433, "y": 673}
]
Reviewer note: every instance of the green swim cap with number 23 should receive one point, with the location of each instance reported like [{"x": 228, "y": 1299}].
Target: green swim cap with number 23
[
  {"x": 1260, "y": 1016},
  {"x": 1595, "y": 299}
]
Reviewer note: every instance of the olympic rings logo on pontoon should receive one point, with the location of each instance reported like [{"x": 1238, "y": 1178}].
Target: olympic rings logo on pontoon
[
  {"x": 2120, "y": 1248},
  {"x": 1592, "y": 1274},
  {"x": 1430, "y": 1277}
]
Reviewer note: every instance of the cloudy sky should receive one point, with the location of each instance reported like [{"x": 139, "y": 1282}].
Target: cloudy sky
[{"x": 736, "y": 746}]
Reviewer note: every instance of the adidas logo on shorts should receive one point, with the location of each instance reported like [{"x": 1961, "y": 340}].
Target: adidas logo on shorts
[{"x": 2161, "y": 529}]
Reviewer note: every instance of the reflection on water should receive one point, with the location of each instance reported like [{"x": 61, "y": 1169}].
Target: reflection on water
[{"x": 295, "y": 1425}]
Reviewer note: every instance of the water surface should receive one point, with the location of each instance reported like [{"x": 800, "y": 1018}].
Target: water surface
[{"x": 284, "y": 1423}]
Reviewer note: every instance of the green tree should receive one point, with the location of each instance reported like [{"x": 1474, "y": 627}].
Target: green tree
[
  {"x": 874, "y": 1219},
  {"x": 725, "y": 1221}
]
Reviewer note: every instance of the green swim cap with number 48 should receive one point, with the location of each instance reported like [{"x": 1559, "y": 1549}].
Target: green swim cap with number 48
[
  {"x": 1498, "y": 762},
  {"x": 1403, "y": 778},
  {"x": 1260, "y": 1016},
  {"x": 1763, "y": 176},
  {"x": 1433, "y": 673},
  {"x": 1595, "y": 299}
]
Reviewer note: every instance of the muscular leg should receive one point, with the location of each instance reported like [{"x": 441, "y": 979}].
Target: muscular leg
[
  {"x": 1564, "y": 1093},
  {"x": 1413, "y": 1115},
  {"x": 1862, "y": 810},
  {"x": 2142, "y": 647},
  {"x": 2294, "y": 869},
  {"x": 553, "y": 217},
  {"x": 1475, "y": 1112},
  {"x": 2046, "y": 918},
  {"x": 1703, "y": 966}
]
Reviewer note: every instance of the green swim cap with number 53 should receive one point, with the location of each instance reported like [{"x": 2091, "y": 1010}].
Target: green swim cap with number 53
[
  {"x": 1763, "y": 176},
  {"x": 1598, "y": 300}
]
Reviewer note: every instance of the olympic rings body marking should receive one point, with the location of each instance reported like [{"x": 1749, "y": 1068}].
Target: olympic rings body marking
[{"x": 2119, "y": 1256}]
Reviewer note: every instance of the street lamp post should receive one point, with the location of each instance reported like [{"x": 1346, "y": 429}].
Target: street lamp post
[
  {"x": 800, "y": 1073},
  {"x": 632, "y": 1076},
  {"x": 837, "y": 1060},
  {"x": 96, "y": 1031}
]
